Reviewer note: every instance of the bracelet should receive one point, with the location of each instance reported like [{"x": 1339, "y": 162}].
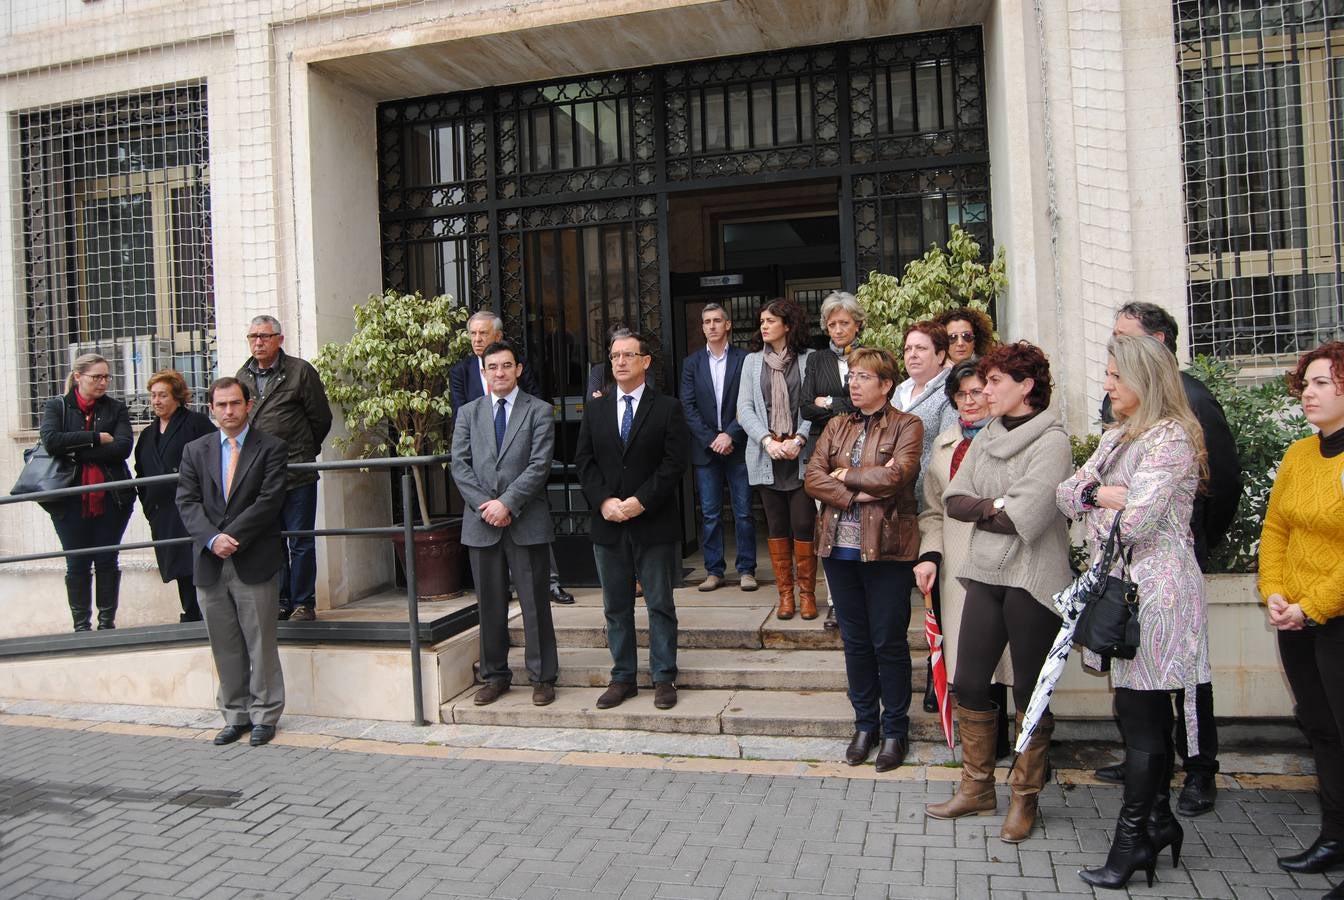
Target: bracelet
[{"x": 1089, "y": 495}]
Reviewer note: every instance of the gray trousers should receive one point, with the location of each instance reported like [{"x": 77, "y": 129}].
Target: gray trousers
[
  {"x": 529, "y": 565},
  {"x": 240, "y": 619}
]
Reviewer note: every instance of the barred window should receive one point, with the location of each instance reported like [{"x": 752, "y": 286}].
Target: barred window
[{"x": 115, "y": 217}]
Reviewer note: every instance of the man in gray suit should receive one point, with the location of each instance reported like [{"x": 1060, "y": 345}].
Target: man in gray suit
[
  {"x": 502, "y": 448},
  {"x": 230, "y": 493}
]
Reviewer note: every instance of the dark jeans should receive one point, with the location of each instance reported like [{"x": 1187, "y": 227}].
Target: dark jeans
[
  {"x": 709, "y": 481},
  {"x": 992, "y": 618},
  {"x": 77, "y": 533},
  {"x": 657, "y": 566},
  {"x": 298, "y": 578},
  {"x": 788, "y": 514},
  {"x": 1313, "y": 660},
  {"x": 872, "y": 605}
]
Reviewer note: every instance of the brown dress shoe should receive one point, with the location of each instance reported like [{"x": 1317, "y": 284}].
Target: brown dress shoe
[
  {"x": 617, "y": 693},
  {"x": 492, "y": 691},
  {"x": 543, "y": 693},
  {"x": 303, "y": 614},
  {"x": 890, "y": 754},
  {"x": 664, "y": 694}
]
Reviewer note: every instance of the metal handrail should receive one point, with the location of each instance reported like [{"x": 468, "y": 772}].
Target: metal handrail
[{"x": 408, "y": 529}]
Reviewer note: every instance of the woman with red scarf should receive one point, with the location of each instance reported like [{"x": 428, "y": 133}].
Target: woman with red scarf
[{"x": 95, "y": 429}]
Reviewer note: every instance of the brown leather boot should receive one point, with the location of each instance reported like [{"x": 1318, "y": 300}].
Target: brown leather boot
[
  {"x": 1026, "y": 779},
  {"x": 807, "y": 578},
  {"x": 781, "y": 558},
  {"x": 975, "y": 794}
]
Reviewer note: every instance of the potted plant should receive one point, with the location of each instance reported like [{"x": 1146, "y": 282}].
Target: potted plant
[{"x": 390, "y": 380}]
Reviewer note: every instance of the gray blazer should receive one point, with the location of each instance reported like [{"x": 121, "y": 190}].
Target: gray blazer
[
  {"x": 751, "y": 415},
  {"x": 516, "y": 475}
]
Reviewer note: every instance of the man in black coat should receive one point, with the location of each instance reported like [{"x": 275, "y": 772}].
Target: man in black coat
[
  {"x": 1215, "y": 508},
  {"x": 231, "y": 494},
  {"x": 632, "y": 451}
]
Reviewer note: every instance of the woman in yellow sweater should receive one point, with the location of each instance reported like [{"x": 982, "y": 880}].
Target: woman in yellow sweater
[{"x": 1302, "y": 585}]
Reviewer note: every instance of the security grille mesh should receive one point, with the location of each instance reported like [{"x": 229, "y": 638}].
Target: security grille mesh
[{"x": 1262, "y": 103}]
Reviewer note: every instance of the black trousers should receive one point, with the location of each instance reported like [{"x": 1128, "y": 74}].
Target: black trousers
[
  {"x": 788, "y": 514},
  {"x": 1313, "y": 660},
  {"x": 1145, "y": 718},
  {"x": 992, "y": 618},
  {"x": 872, "y": 607},
  {"x": 1206, "y": 760}
]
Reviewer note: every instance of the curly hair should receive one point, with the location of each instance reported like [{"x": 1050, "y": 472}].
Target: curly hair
[
  {"x": 177, "y": 385},
  {"x": 1019, "y": 362},
  {"x": 934, "y": 331},
  {"x": 1331, "y": 350},
  {"x": 981, "y": 324},
  {"x": 795, "y": 320}
]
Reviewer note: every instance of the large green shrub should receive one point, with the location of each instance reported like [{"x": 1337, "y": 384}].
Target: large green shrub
[
  {"x": 1264, "y": 419},
  {"x": 942, "y": 279}
]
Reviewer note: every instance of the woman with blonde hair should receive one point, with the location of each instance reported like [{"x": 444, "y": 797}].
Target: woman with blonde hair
[
  {"x": 158, "y": 451},
  {"x": 1146, "y": 472},
  {"x": 95, "y": 430}
]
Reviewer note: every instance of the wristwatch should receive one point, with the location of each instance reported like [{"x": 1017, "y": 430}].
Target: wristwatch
[{"x": 999, "y": 503}]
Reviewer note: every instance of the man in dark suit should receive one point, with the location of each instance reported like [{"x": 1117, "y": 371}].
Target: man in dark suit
[
  {"x": 502, "y": 448},
  {"x": 631, "y": 454},
  {"x": 231, "y": 493},
  {"x": 467, "y": 381},
  {"x": 709, "y": 380},
  {"x": 1215, "y": 508}
]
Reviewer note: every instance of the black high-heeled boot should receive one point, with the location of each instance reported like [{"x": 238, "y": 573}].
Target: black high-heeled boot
[
  {"x": 1132, "y": 849},
  {"x": 1163, "y": 828},
  {"x": 79, "y": 594},
  {"x": 106, "y": 588}
]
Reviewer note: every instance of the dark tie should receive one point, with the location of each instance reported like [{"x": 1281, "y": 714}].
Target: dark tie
[
  {"x": 627, "y": 418},
  {"x": 500, "y": 422}
]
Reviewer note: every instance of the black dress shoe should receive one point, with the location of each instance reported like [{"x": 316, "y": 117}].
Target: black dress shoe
[
  {"x": 1197, "y": 795},
  {"x": 616, "y": 693},
  {"x": 1337, "y": 893},
  {"x": 891, "y": 754},
  {"x": 1113, "y": 774},
  {"x": 560, "y": 595},
  {"x": 664, "y": 694},
  {"x": 230, "y": 733},
  {"x": 262, "y": 734},
  {"x": 1322, "y": 856},
  {"x": 860, "y": 747}
]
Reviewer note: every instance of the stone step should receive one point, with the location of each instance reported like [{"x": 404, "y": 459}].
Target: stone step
[{"x": 740, "y": 712}]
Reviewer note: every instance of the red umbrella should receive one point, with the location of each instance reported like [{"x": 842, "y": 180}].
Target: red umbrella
[{"x": 939, "y": 669}]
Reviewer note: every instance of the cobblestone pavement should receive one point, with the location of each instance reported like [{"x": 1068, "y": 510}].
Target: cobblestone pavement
[{"x": 91, "y": 812}]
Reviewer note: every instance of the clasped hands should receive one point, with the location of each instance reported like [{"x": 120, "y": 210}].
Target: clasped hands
[
  {"x": 722, "y": 445},
  {"x": 617, "y": 510},
  {"x": 1285, "y": 616},
  {"x": 783, "y": 449},
  {"x": 494, "y": 512}
]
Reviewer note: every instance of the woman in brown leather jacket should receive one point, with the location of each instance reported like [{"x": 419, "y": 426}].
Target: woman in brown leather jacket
[{"x": 863, "y": 471}]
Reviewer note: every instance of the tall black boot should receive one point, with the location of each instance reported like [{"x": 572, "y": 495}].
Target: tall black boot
[
  {"x": 107, "y": 584},
  {"x": 79, "y": 592},
  {"x": 1163, "y": 829},
  {"x": 191, "y": 607},
  {"x": 1132, "y": 849}
]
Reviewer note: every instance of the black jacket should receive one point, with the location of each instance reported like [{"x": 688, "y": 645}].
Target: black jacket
[
  {"x": 1216, "y": 504},
  {"x": 161, "y": 454},
  {"x": 294, "y": 409},
  {"x": 822, "y": 379},
  {"x": 649, "y": 468},
  {"x": 62, "y": 431}
]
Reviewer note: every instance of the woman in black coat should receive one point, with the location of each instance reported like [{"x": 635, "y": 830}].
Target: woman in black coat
[
  {"x": 95, "y": 429},
  {"x": 158, "y": 451}
]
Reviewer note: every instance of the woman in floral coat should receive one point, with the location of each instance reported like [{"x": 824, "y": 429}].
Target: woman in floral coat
[{"x": 1147, "y": 470}]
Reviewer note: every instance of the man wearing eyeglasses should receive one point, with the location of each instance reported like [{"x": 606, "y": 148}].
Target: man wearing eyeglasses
[
  {"x": 632, "y": 450},
  {"x": 291, "y": 404}
]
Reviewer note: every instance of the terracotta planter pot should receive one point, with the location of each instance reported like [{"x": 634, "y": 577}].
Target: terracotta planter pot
[{"x": 438, "y": 560}]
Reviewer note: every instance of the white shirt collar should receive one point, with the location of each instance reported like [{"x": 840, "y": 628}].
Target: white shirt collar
[
  {"x": 509, "y": 399},
  {"x": 637, "y": 393},
  {"x": 721, "y": 357}
]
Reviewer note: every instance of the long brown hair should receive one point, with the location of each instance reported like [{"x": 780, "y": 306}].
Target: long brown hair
[{"x": 1149, "y": 368}]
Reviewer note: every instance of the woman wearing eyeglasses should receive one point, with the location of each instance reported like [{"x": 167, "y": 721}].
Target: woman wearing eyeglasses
[
  {"x": 95, "y": 429},
  {"x": 970, "y": 334}
]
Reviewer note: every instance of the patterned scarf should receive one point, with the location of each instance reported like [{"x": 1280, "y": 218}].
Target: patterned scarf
[
  {"x": 968, "y": 431},
  {"x": 781, "y": 408},
  {"x": 91, "y": 504}
]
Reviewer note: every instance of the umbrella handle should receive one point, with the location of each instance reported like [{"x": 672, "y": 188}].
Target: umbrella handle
[{"x": 928, "y": 600}]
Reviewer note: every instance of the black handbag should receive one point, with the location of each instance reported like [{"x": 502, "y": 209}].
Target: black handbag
[
  {"x": 1109, "y": 622},
  {"x": 44, "y": 472}
]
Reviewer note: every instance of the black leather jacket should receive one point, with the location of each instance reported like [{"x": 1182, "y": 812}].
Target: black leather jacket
[{"x": 63, "y": 431}]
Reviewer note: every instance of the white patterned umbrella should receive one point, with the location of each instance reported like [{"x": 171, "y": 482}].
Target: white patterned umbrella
[{"x": 1069, "y": 604}]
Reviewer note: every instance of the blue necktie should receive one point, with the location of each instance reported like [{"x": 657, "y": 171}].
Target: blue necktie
[
  {"x": 500, "y": 422},
  {"x": 627, "y": 418}
]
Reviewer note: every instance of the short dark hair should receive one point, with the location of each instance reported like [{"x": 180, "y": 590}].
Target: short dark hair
[
  {"x": 956, "y": 375},
  {"x": 1152, "y": 319},
  {"x": 501, "y": 347},
  {"x": 878, "y": 361},
  {"x": 625, "y": 334},
  {"x": 934, "y": 331},
  {"x": 1019, "y": 362},
  {"x": 226, "y": 382},
  {"x": 795, "y": 320}
]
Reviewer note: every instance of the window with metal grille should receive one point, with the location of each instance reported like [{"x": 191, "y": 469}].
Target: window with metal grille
[
  {"x": 115, "y": 217},
  {"x": 1262, "y": 104}
]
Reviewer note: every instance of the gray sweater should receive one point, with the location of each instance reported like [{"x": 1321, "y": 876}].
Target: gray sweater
[{"x": 1023, "y": 466}]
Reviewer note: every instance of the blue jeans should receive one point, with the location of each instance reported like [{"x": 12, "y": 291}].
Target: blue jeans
[
  {"x": 657, "y": 566},
  {"x": 709, "y": 482},
  {"x": 298, "y": 578},
  {"x": 872, "y": 606}
]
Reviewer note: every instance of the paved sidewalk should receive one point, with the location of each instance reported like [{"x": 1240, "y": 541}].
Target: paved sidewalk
[{"x": 112, "y": 810}]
